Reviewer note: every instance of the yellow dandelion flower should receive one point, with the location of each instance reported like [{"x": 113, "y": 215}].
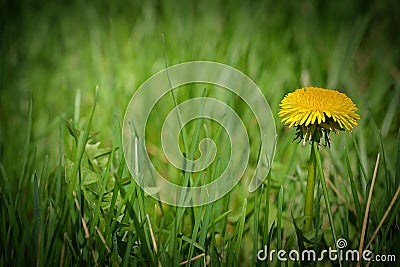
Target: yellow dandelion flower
[{"x": 317, "y": 111}]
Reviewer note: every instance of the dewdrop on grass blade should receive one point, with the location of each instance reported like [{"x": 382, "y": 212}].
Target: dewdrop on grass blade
[{"x": 315, "y": 112}]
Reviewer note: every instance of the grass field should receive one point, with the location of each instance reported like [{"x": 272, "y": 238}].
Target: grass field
[{"x": 66, "y": 195}]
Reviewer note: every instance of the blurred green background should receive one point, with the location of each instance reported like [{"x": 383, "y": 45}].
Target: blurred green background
[{"x": 52, "y": 49}]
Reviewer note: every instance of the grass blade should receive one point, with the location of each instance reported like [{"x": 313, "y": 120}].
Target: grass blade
[
  {"x": 36, "y": 217},
  {"x": 317, "y": 215},
  {"x": 266, "y": 216},
  {"x": 125, "y": 260},
  {"x": 279, "y": 219},
  {"x": 389, "y": 187},
  {"x": 353, "y": 190},
  {"x": 367, "y": 208},
  {"x": 25, "y": 151},
  {"x": 82, "y": 140},
  {"x": 325, "y": 191},
  {"x": 360, "y": 163},
  {"x": 257, "y": 208},
  {"x": 240, "y": 229},
  {"x": 397, "y": 177},
  {"x": 144, "y": 239}
]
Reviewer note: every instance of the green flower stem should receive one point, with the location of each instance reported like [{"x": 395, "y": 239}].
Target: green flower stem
[{"x": 309, "y": 203}]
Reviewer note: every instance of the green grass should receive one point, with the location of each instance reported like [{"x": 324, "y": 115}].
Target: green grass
[{"x": 66, "y": 195}]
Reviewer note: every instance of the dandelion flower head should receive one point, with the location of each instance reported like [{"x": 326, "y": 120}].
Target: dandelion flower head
[{"x": 316, "y": 111}]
